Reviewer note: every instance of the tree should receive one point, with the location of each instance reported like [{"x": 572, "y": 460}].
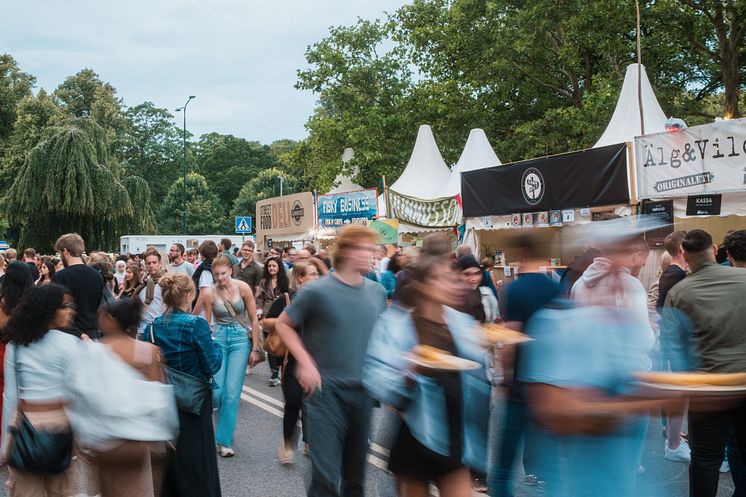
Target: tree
[
  {"x": 152, "y": 149},
  {"x": 203, "y": 212},
  {"x": 142, "y": 222},
  {"x": 265, "y": 185},
  {"x": 14, "y": 86},
  {"x": 67, "y": 184},
  {"x": 227, "y": 162}
]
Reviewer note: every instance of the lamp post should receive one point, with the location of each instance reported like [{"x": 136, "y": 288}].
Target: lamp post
[
  {"x": 184, "y": 169},
  {"x": 282, "y": 180}
]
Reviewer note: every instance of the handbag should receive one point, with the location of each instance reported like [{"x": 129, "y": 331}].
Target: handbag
[
  {"x": 37, "y": 451},
  {"x": 190, "y": 391},
  {"x": 273, "y": 343}
]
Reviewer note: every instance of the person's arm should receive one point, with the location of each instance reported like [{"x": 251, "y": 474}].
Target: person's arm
[
  {"x": 204, "y": 303},
  {"x": 307, "y": 372},
  {"x": 676, "y": 331},
  {"x": 389, "y": 283},
  {"x": 10, "y": 398},
  {"x": 248, "y": 299},
  {"x": 209, "y": 348}
]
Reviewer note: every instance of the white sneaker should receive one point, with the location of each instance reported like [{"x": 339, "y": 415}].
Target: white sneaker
[
  {"x": 725, "y": 467},
  {"x": 682, "y": 453},
  {"x": 226, "y": 451}
]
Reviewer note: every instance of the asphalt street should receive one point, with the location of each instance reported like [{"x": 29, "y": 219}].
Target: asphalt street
[{"x": 255, "y": 471}]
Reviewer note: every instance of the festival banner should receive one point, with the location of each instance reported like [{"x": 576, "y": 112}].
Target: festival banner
[
  {"x": 338, "y": 209},
  {"x": 439, "y": 213},
  {"x": 589, "y": 178},
  {"x": 703, "y": 159}
]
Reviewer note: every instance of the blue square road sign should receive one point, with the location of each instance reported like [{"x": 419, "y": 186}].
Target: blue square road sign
[{"x": 243, "y": 224}]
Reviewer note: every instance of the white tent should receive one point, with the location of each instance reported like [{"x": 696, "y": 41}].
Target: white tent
[
  {"x": 625, "y": 122},
  {"x": 344, "y": 184},
  {"x": 477, "y": 154},
  {"x": 426, "y": 171}
]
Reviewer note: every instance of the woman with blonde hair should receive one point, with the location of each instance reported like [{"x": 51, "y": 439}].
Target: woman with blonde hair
[
  {"x": 188, "y": 348},
  {"x": 231, "y": 303},
  {"x": 303, "y": 272}
]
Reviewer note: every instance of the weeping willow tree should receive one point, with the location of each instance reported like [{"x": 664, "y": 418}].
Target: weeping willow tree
[
  {"x": 143, "y": 220},
  {"x": 69, "y": 183}
]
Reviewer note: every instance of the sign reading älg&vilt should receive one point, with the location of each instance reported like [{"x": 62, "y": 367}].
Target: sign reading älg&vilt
[
  {"x": 699, "y": 160},
  {"x": 279, "y": 217}
]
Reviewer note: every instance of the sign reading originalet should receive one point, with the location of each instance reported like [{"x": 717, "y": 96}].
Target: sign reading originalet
[
  {"x": 702, "y": 159},
  {"x": 357, "y": 207},
  {"x": 588, "y": 178},
  {"x": 286, "y": 215}
]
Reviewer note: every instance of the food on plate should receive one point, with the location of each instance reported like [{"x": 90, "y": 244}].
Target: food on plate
[
  {"x": 497, "y": 333},
  {"x": 694, "y": 379},
  {"x": 430, "y": 353}
]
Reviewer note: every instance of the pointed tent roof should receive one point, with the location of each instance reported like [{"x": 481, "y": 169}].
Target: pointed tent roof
[
  {"x": 477, "y": 154},
  {"x": 345, "y": 183},
  {"x": 625, "y": 122},
  {"x": 426, "y": 171}
]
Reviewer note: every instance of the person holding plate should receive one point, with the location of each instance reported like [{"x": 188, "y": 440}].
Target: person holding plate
[{"x": 441, "y": 436}]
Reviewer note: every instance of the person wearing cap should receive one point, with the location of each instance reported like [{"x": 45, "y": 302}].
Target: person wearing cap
[{"x": 480, "y": 303}]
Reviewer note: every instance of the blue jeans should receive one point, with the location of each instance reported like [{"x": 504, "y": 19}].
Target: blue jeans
[{"x": 235, "y": 345}]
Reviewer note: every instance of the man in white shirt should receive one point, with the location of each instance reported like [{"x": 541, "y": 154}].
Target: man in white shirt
[
  {"x": 178, "y": 263},
  {"x": 149, "y": 292}
]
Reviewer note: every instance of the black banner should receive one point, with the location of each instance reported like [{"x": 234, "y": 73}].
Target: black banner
[
  {"x": 589, "y": 178},
  {"x": 703, "y": 205},
  {"x": 662, "y": 209}
]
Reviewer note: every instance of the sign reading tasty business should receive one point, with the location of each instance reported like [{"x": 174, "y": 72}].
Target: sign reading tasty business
[
  {"x": 703, "y": 159},
  {"x": 337, "y": 209},
  {"x": 286, "y": 215}
]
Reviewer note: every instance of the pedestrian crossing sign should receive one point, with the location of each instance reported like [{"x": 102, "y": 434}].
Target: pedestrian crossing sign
[{"x": 243, "y": 224}]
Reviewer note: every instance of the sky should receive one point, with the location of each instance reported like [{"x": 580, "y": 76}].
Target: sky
[{"x": 239, "y": 58}]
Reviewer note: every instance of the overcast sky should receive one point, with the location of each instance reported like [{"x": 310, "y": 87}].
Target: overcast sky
[{"x": 238, "y": 57}]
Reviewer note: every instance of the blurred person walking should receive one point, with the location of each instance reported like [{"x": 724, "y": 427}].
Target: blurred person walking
[
  {"x": 231, "y": 303},
  {"x": 303, "y": 273},
  {"x": 388, "y": 276},
  {"x": 480, "y": 303},
  {"x": 702, "y": 322},
  {"x": 188, "y": 347},
  {"x": 336, "y": 315},
  {"x": 36, "y": 362},
  {"x": 530, "y": 291},
  {"x": 444, "y": 415},
  {"x": 86, "y": 285},
  {"x": 274, "y": 283}
]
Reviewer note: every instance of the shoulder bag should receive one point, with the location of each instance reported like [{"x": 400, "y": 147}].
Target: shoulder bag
[
  {"x": 33, "y": 450},
  {"x": 190, "y": 391},
  {"x": 273, "y": 343}
]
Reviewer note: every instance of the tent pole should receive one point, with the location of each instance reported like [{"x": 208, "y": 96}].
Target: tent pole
[{"x": 639, "y": 70}]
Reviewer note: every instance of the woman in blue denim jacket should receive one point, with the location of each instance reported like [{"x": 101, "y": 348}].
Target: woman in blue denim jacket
[
  {"x": 444, "y": 415},
  {"x": 187, "y": 346}
]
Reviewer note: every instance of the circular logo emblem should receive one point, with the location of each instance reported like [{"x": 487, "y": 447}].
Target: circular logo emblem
[
  {"x": 297, "y": 212},
  {"x": 532, "y": 186}
]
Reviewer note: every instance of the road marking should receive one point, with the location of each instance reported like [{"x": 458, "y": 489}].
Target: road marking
[
  {"x": 262, "y": 405},
  {"x": 381, "y": 450},
  {"x": 264, "y": 396}
]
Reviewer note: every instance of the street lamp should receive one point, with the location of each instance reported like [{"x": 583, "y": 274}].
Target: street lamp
[
  {"x": 184, "y": 169},
  {"x": 282, "y": 180}
]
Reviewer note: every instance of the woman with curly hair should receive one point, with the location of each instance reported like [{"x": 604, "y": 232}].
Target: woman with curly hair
[{"x": 36, "y": 361}]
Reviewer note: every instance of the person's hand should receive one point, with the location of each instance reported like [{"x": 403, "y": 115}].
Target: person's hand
[
  {"x": 308, "y": 377},
  {"x": 85, "y": 338},
  {"x": 255, "y": 358}
]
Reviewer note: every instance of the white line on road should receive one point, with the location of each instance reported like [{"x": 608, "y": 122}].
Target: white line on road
[{"x": 263, "y": 396}]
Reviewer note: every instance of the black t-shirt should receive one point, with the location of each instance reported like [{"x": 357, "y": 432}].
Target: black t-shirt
[
  {"x": 672, "y": 275},
  {"x": 86, "y": 286},
  {"x": 34, "y": 271}
]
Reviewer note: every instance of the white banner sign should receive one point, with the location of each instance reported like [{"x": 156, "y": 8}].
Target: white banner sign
[{"x": 703, "y": 159}]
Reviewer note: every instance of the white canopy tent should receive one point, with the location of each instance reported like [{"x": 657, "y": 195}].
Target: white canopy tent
[
  {"x": 625, "y": 122},
  {"x": 477, "y": 154},
  {"x": 426, "y": 171},
  {"x": 344, "y": 184}
]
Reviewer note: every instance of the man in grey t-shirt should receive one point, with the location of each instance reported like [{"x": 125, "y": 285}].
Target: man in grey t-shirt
[
  {"x": 337, "y": 315},
  {"x": 178, "y": 263}
]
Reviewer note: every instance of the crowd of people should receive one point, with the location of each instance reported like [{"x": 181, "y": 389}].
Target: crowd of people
[{"x": 168, "y": 339}]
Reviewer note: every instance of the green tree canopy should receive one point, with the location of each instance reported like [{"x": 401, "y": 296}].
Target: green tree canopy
[
  {"x": 142, "y": 222},
  {"x": 203, "y": 213},
  {"x": 266, "y": 184},
  {"x": 227, "y": 162},
  {"x": 152, "y": 149},
  {"x": 68, "y": 184},
  {"x": 14, "y": 86}
]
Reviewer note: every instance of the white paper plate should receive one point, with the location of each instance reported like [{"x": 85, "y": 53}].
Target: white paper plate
[
  {"x": 698, "y": 389},
  {"x": 455, "y": 363}
]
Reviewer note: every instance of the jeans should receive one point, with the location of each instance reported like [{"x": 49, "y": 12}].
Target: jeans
[
  {"x": 236, "y": 346},
  {"x": 293, "y": 393},
  {"x": 338, "y": 429},
  {"x": 708, "y": 434}
]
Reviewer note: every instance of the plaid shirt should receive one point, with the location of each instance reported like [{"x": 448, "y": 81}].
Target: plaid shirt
[{"x": 186, "y": 343}]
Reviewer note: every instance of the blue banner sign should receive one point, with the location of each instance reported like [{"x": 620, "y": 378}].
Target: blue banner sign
[{"x": 337, "y": 209}]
